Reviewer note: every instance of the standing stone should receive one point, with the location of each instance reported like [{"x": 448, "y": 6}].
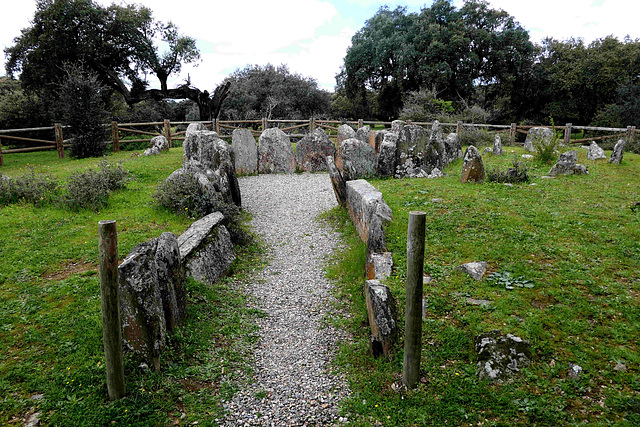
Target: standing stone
[
  {"x": 171, "y": 280},
  {"x": 344, "y": 132},
  {"x": 366, "y": 135},
  {"x": 245, "y": 152},
  {"x": 595, "y": 152},
  {"x": 537, "y": 136},
  {"x": 410, "y": 151},
  {"x": 379, "y": 137},
  {"x": 275, "y": 153},
  {"x": 618, "y": 152},
  {"x": 497, "y": 146},
  {"x": 358, "y": 159},
  {"x": 397, "y": 125},
  {"x": 312, "y": 151},
  {"x": 472, "y": 167},
  {"x": 453, "y": 147},
  {"x": 381, "y": 308},
  {"x": 566, "y": 165},
  {"x": 337, "y": 182},
  {"x": 387, "y": 155},
  {"x": 435, "y": 153},
  {"x": 157, "y": 145}
]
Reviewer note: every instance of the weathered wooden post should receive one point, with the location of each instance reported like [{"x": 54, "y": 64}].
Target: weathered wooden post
[
  {"x": 265, "y": 123},
  {"x": 167, "y": 131},
  {"x": 59, "y": 140},
  {"x": 216, "y": 125},
  {"x": 360, "y": 123},
  {"x": 312, "y": 124},
  {"x": 413, "y": 302},
  {"x": 459, "y": 128},
  {"x": 567, "y": 133},
  {"x": 512, "y": 134},
  {"x": 111, "y": 329},
  {"x": 631, "y": 130},
  {"x": 115, "y": 137},
  {"x": 1, "y": 159}
]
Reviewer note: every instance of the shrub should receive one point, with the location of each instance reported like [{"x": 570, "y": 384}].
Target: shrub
[
  {"x": 91, "y": 189},
  {"x": 546, "y": 152},
  {"x": 477, "y": 137},
  {"x": 35, "y": 188},
  {"x": 517, "y": 174},
  {"x": 114, "y": 175}
]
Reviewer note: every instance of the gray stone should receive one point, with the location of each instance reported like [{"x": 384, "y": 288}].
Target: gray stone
[
  {"x": 275, "y": 153},
  {"x": 537, "y": 136},
  {"x": 153, "y": 151},
  {"x": 566, "y": 165},
  {"x": 159, "y": 141},
  {"x": 473, "y": 167},
  {"x": 396, "y": 126},
  {"x": 381, "y": 308},
  {"x": 436, "y": 173},
  {"x": 365, "y": 202},
  {"x": 382, "y": 265},
  {"x": 366, "y": 135},
  {"x": 620, "y": 367},
  {"x": 497, "y": 146},
  {"x": 453, "y": 147},
  {"x": 344, "y": 132},
  {"x": 358, "y": 159},
  {"x": 480, "y": 302},
  {"x": 527, "y": 156},
  {"x": 595, "y": 152},
  {"x": 337, "y": 182},
  {"x": 410, "y": 149},
  {"x": 33, "y": 420},
  {"x": 435, "y": 155},
  {"x": 378, "y": 139},
  {"x": 245, "y": 152},
  {"x": 487, "y": 150},
  {"x": 501, "y": 356},
  {"x": 376, "y": 244},
  {"x": 387, "y": 155},
  {"x": 312, "y": 151},
  {"x": 474, "y": 269},
  {"x": 575, "y": 371},
  {"x": 206, "y": 249},
  {"x": 171, "y": 280},
  {"x": 618, "y": 152}
]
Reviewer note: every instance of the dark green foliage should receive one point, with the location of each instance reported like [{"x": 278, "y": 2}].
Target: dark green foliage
[
  {"x": 477, "y": 137},
  {"x": 35, "y": 188},
  {"x": 517, "y": 174},
  {"x": 91, "y": 189}
]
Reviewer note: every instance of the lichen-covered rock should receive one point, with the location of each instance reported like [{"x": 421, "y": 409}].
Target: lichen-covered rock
[
  {"x": 381, "y": 309},
  {"x": 206, "y": 250},
  {"x": 396, "y": 126},
  {"x": 171, "y": 280},
  {"x": 566, "y": 165},
  {"x": 245, "y": 152},
  {"x": 275, "y": 152},
  {"x": 337, "y": 182},
  {"x": 410, "y": 149},
  {"x": 474, "y": 269},
  {"x": 312, "y": 151},
  {"x": 157, "y": 145},
  {"x": 472, "y": 167},
  {"x": 435, "y": 155},
  {"x": 618, "y": 152},
  {"x": 378, "y": 139},
  {"x": 537, "y": 136},
  {"x": 381, "y": 266},
  {"x": 497, "y": 146},
  {"x": 387, "y": 155},
  {"x": 344, "y": 132},
  {"x": 452, "y": 147},
  {"x": 595, "y": 152},
  {"x": 501, "y": 356},
  {"x": 365, "y": 202},
  {"x": 358, "y": 159}
]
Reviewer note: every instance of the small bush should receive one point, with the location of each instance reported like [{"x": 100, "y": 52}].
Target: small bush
[
  {"x": 91, "y": 189},
  {"x": 477, "y": 137},
  {"x": 515, "y": 175},
  {"x": 35, "y": 188},
  {"x": 546, "y": 152},
  {"x": 114, "y": 175}
]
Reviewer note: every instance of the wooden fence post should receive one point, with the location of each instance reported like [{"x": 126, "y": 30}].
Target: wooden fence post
[
  {"x": 413, "y": 302},
  {"x": 115, "y": 137},
  {"x": 459, "y": 128},
  {"x": 1, "y": 159},
  {"x": 216, "y": 125},
  {"x": 59, "y": 140},
  {"x": 111, "y": 328},
  {"x": 360, "y": 123},
  {"x": 567, "y": 133},
  {"x": 312, "y": 124},
  {"x": 512, "y": 134},
  {"x": 167, "y": 131},
  {"x": 630, "y": 132},
  {"x": 265, "y": 123}
]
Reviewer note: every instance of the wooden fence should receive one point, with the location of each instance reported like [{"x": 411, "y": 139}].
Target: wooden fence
[{"x": 121, "y": 132}]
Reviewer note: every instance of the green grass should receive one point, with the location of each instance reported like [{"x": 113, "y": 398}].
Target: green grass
[
  {"x": 574, "y": 238},
  {"x": 50, "y": 321}
]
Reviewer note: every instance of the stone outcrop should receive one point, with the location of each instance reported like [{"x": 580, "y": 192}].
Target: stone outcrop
[
  {"x": 245, "y": 152},
  {"x": 566, "y": 165},
  {"x": 275, "y": 153},
  {"x": 387, "y": 155},
  {"x": 358, "y": 159},
  {"x": 206, "y": 250},
  {"x": 157, "y": 145},
  {"x": 501, "y": 356},
  {"x": 497, "y": 146},
  {"x": 618, "y": 152},
  {"x": 151, "y": 283},
  {"x": 594, "y": 152},
  {"x": 537, "y": 136},
  {"x": 381, "y": 308},
  {"x": 312, "y": 151},
  {"x": 473, "y": 167},
  {"x": 337, "y": 182}
]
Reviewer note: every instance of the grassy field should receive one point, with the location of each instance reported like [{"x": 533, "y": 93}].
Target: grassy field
[
  {"x": 51, "y": 355},
  {"x": 575, "y": 238}
]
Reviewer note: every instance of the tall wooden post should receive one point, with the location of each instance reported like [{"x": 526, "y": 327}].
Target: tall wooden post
[
  {"x": 360, "y": 123},
  {"x": 167, "y": 131},
  {"x": 630, "y": 132},
  {"x": 567, "y": 133},
  {"x": 512, "y": 134},
  {"x": 312, "y": 124},
  {"x": 115, "y": 137},
  {"x": 265, "y": 123},
  {"x": 216, "y": 124},
  {"x": 1, "y": 159},
  {"x": 111, "y": 328},
  {"x": 459, "y": 128},
  {"x": 413, "y": 302},
  {"x": 59, "y": 140}
]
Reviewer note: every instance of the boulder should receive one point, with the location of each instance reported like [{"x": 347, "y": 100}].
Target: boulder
[
  {"x": 501, "y": 356},
  {"x": 472, "y": 167},
  {"x": 535, "y": 136},
  {"x": 312, "y": 151},
  {"x": 387, "y": 155},
  {"x": 410, "y": 150},
  {"x": 275, "y": 153},
  {"x": 206, "y": 250},
  {"x": 171, "y": 280},
  {"x": 396, "y": 126},
  {"x": 378, "y": 139},
  {"x": 344, "y": 132},
  {"x": 566, "y": 165},
  {"x": 365, "y": 202},
  {"x": 435, "y": 155},
  {"x": 358, "y": 159},
  {"x": 337, "y": 182},
  {"x": 157, "y": 145},
  {"x": 474, "y": 269},
  {"x": 381, "y": 266},
  {"x": 497, "y": 146},
  {"x": 452, "y": 147},
  {"x": 618, "y": 152},
  {"x": 381, "y": 309},
  {"x": 436, "y": 173},
  {"x": 594, "y": 152},
  {"x": 245, "y": 151}
]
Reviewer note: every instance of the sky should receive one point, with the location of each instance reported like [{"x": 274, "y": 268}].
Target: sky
[{"x": 312, "y": 36}]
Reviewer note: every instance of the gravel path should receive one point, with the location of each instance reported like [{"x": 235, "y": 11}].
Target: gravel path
[{"x": 293, "y": 383}]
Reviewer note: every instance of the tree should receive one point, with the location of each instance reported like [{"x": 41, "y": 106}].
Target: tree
[
  {"x": 18, "y": 108},
  {"x": 274, "y": 93},
  {"x": 116, "y": 42}
]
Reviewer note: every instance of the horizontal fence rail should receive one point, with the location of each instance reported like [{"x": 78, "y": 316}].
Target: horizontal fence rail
[{"x": 121, "y": 133}]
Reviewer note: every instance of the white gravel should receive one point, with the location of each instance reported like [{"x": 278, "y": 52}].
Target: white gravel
[{"x": 293, "y": 384}]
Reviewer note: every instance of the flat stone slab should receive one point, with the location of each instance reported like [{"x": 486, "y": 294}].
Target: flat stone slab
[
  {"x": 364, "y": 202},
  {"x": 474, "y": 269}
]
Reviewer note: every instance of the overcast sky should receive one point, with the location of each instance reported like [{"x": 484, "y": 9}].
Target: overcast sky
[{"x": 312, "y": 36}]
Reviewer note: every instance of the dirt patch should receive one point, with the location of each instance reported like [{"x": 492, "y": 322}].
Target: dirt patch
[{"x": 71, "y": 267}]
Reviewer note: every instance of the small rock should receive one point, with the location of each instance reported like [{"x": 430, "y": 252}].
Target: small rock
[
  {"x": 481, "y": 302},
  {"x": 620, "y": 367},
  {"x": 436, "y": 200},
  {"x": 33, "y": 420},
  {"x": 474, "y": 269},
  {"x": 501, "y": 356},
  {"x": 574, "y": 371},
  {"x": 527, "y": 156},
  {"x": 426, "y": 280}
]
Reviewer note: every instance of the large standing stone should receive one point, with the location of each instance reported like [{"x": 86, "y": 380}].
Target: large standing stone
[
  {"x": 566, "y": 165},
  {"x": 171, "y": 280},
  {"x": 410, "y": 151},
  {"x": 358, "y": 159},
  {"x": 275, "y": 153},
  {"x": 472, "y": 167},
  {"x": 387, "y": 155},
  {"x": 344, "y": 132},
  {"x": 618, "y": 152},
  {"x": 245, "y": 152},
  {"x": 501, "y": 356},
  {"x": 595, "y": 152},
  {"x": 381, "y": 309},
  {"x": 397, "y": 125},
  {"x": 206, "y": 249},
  {"x": 338, "y": 183},
  {"x": 312, "y": 151},
  {"x": 366, "y": 135},
  {"x": 453, "y": 147},
  {"x": 435, "y": 155},
  {"x": 537, "y": 136},
  {"x": 497, "y": 146},
  {"x": 378, "y": 139}
]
